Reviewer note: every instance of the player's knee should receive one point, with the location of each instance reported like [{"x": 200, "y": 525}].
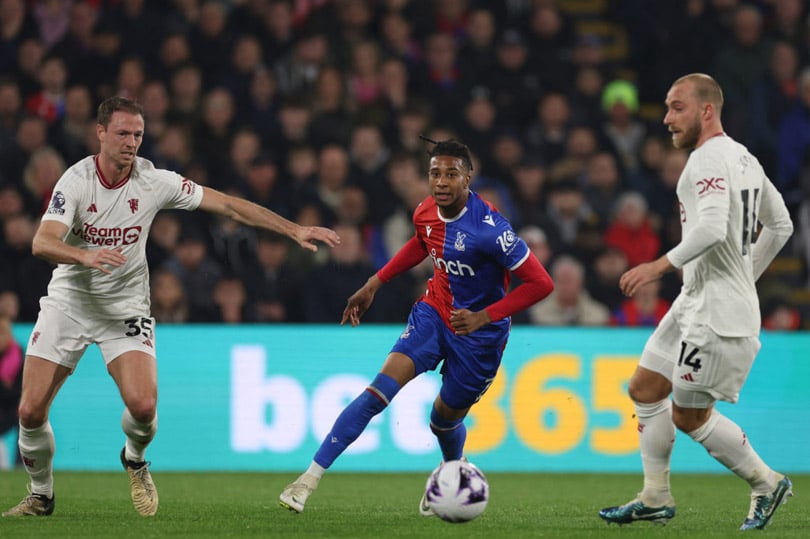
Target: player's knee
[
  {"x": 31, "y": 416},
  {"x": 648, "y": 387},
  {"x": 689, "y": 420},
  {"x": 143, "y": 410}
]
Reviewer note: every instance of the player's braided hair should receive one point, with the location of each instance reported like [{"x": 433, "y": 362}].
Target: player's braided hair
[
  {"x": 114, "y": 104},
  {"x": 452, "y": 148}
]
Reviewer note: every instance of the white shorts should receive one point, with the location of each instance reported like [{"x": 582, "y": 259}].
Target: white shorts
[
  {"x": 704, "y": 368},
  {"x": 59, "y": 338}
]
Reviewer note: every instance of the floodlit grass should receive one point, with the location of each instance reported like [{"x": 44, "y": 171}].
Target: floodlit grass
[{"x": 201, "y": 505}]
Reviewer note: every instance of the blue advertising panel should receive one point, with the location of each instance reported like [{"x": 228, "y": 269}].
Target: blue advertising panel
[{"x": 263, "y": 397}]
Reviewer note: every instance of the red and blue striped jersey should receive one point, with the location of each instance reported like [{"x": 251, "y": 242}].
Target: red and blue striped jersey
[{"x": 472, "y": 255}]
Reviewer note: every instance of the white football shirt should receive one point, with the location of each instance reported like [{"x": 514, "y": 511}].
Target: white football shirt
[
  {"x": 723, "y": 194},
  {"x": 100, "y": 215}
]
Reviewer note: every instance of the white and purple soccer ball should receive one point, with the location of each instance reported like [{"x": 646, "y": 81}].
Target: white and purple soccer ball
[{"x": 457, "y": 491}]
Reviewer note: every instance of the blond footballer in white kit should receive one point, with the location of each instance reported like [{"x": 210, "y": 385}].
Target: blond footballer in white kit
[
  {"x": 95, "y": 229},
  {"x": 704, "y": 347}
]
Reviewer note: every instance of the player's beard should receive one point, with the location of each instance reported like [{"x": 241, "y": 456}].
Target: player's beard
[{"x": 688, "y": 138}]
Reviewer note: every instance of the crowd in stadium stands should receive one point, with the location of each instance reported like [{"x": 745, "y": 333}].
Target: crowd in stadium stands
[{"x": 313, "y": 108}]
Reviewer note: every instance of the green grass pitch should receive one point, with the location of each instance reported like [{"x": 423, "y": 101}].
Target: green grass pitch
[{"x": 376, "y": 505}]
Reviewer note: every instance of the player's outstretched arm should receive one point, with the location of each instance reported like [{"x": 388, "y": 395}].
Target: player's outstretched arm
[
  {"x": 48, "y": 244},
  {"x": 248, "y": 213},
  {"x": 359, "y": 302}
]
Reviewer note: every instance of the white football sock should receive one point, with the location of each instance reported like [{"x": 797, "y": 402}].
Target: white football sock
[
  {"x": 37, "y": 448},
  {"x": 138, "y": 436},
  {"x": 656, "y": 436},
  {"x": 726, "y": 442},
  {"x": 316, "y": 470}
]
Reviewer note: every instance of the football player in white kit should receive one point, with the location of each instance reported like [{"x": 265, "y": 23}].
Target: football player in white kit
[
  {"x": 95, "y": 229},
  {"x": 704, "y": 347}
]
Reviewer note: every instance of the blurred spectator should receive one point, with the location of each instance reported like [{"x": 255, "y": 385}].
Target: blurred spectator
[
  {"x": 130, "y": 78},
  {"x": 602, "y": 185},
  {"x": 631, "y": 231},
  {"x": 67, "y": 135},
  {"x": 16, "y": 25},
  {"x": 602, "y": 281},
  {"x": 331, "y": 117},
  {"x": 369, "y": 156},
  {"x": 515, "y": 86},
  {"x": 155, "y": 101},
  {"x": 230, "y": 298},
  {"x": 260, "y": 109},
  {"x": 397, "y": 39},
  {"x": 781, "y": 315},
  {"x": 211, "y": 41},
  {"x": 440, "y": 80},
  {"x": 30, "y": 274},
  {"x": 586, "y": 97},
  {"x": 77, "y": 47},
  {"x": 264, "y": 185},
  {"x": 43, "y": 170},
  {"x": 569, "y": 304},
  {"x": 169, "y": 305},
  {"x": 215, "y": 133},
  {"x": 645, "y": 308},
  {"x": 738, "y": 64},
  {"x": 174, "y": 52},
  {"x": 793, "y": 156},
  {"x": 413, "y": 121},
  {"x": 771, "y": 97},
  {"x": 477, "y": 128},
  {"x": 551, "y": 38},
  {"x": 11, "y": 363},
  {"x": 10, "y": 114},
  {"x": 9, "y": 303},
  {"x": 232, "y": 245},
  {"x": 528, "y": 194},
  {"x": 163, "y": 238},
  {"x": 246, "y": 58},
  {"x": 789, "y": 22},
  {"x": 297, "y": 71},
  {"x": 571, "y": 225},
  {"x": 331, "y": 178},
  {"x": 622, "y": 128},
  {"x": 538, "y": 243},
  {"x": 173, "y": 151},
  {"x": 49, "y": 102},
  {"x": 278, "y": 32},
  {"x": 186, "y": 95},
  {"x": 477, "y": 56},
  {"x": 394, "y": 94},
  {"x": 275, "y": 284},
  {"x": 295, "y": 123},
  {"x": 198, "y": 271},
  {"x": 330, "y": 285},
  {"x": 547, "y": 133},
  {"x": 364, "y": 73},
  {"x": 30, "y": 54},
  {"x": 32, "y": 134}
]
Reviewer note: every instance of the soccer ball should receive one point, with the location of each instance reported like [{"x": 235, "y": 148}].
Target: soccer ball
[{"x": 457, "y": 491}]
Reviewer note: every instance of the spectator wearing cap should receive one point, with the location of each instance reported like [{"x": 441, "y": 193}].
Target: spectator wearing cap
[{"x": 622, "y": 129}]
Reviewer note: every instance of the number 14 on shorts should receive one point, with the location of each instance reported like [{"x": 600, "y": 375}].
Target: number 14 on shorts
[{"x": 690, "y": 358}]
